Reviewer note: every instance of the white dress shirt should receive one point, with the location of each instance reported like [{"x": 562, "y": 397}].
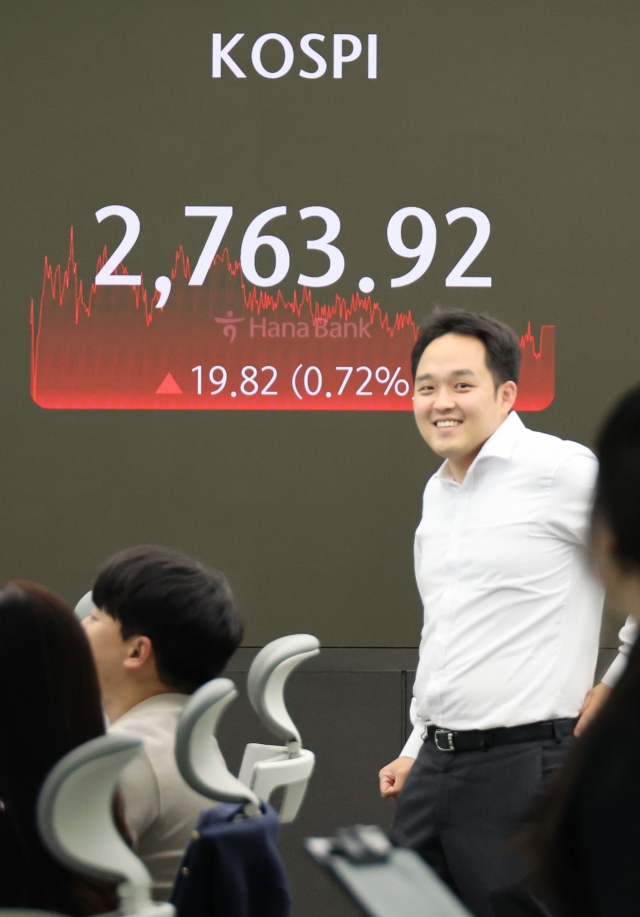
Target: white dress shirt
[
  {"x": 159, "y": 807},
  {"x": 511, "y": 610}
]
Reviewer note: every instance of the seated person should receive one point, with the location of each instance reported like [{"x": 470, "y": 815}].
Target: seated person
[
  {"x": 162, "y": 626},
  {"x": 49, "y": 704}
]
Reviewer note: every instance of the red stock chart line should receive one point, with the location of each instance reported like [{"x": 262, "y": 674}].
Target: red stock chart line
[{"x": 227, "y": 345}]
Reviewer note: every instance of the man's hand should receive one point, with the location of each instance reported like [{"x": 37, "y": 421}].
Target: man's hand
[
  {"x": 593, "y": 702},
  {"x": 393, "y": 776}
]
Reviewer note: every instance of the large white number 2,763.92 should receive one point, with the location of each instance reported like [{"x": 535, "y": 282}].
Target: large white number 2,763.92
[{"x": 254, "y": 239}]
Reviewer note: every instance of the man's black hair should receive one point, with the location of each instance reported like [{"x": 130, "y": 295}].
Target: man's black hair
[
  {"x": 185, "y": 609},
  {"x": 500, "y": 341}
]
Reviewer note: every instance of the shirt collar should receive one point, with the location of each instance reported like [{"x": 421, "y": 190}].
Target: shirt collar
[
  {"x": 499, "y": 445},
  {"x": 167, "y": 700}
]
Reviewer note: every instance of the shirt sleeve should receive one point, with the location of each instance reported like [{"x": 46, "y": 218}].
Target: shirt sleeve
[
  {"x": 414, "y": 742},
  {"x": 572, "y": 496},
  {"x": 140, "y": 793},
  {"x": 416, "y": 557},
  {"x": 628, "y": 636}
]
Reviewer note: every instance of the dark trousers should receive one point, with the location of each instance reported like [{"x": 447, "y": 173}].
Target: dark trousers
[{"x": 462, "y": 810}]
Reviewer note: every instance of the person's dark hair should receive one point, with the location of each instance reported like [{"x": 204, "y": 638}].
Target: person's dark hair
[
  {"x": 49, "y": 704},
  {"x": 185, "y": 609},
  {"x": 607, "y": 756},
  {"x": 500, "y": 341},
  {"x": 617, "y": 498}
]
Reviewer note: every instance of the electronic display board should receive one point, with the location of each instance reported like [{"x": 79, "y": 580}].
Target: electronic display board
[
  {"x": 112, "y": 349},
  {"x": 213, "y": 211}
]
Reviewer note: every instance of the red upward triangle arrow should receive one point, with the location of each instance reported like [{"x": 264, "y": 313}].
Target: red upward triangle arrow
[{"x": 168, "y": 386}]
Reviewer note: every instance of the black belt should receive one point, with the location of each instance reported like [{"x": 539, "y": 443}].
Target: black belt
[{"x": 477, "y": 739}]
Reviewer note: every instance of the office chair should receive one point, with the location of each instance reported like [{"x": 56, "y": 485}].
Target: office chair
[
  {"x": 75, "y": 820},
  {"x": 264, "y": 767},
  {"x": 197, "y": 752}
]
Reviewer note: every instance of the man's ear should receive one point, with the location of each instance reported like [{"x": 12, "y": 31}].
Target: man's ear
[
  {"x": 140, "y": 653},
  {"x": 507, "y": 394}
]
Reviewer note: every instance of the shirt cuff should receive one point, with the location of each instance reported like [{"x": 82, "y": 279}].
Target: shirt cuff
[
  {"x": 414, "y": 743},
  {"x": 615, "y": 670}
]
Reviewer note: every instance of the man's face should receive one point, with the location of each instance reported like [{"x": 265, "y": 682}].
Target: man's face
[
  {"x": 108, "y": 648},
  {"x": 456, "y": 405}
]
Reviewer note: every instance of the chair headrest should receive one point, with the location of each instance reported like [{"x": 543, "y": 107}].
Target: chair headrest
[
  {"x": 198, "y": 755},
  {"x": 75, "y": 813},
  {"x": 267, "y": 678},
  {"x": 84, "y": 606}
]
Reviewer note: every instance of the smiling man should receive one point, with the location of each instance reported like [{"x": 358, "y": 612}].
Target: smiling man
[{"x": 511, "y": 614}]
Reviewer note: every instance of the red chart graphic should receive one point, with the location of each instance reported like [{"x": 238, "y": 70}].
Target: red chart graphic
[{"x": 225, "y": 345}]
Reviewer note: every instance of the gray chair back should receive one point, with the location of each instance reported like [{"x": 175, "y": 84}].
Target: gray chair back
[
  {"x": 76, "y": 823},
  {"x": 197, "y": 752}
]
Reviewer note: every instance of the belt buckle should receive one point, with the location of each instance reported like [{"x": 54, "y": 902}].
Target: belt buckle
[{"x": 448, "y": 738}]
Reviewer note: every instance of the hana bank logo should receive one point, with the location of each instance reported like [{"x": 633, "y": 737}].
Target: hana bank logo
[
  {"x": 229, "y": 326},
  {"x": 345, "y": 47}
]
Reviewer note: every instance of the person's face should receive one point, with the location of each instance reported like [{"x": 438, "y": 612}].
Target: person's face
[
  {"x": 109, "y": 650},
  {"x": 455, "y": 403}
]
